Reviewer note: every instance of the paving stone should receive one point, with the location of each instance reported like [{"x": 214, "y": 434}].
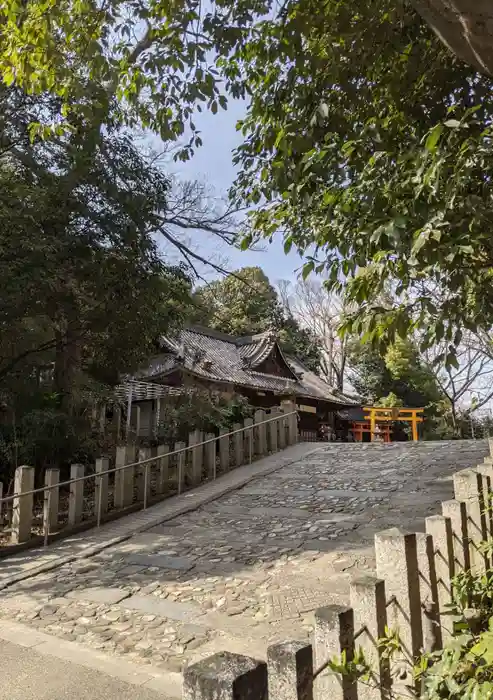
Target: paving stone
[
  {"x": 163, "y": 608},
  {"x": 109, "y": 596},
  {"x": 162, "y": 562}
]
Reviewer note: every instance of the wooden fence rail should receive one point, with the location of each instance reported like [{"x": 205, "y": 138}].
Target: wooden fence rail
[{"x": 409, "y": 595}]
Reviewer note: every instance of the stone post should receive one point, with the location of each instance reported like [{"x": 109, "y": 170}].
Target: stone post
[
  {"x": 102, "y": 466},
  {"x": 397, "y": 565},
  {"x": 124, "y": 478},
  {"x": 486, "y": 472},
  {"x": 76, "y": 497},
  {"x": 468, "y": 487},
  {"x": 52, "y": 478},
  {"x": 334, "y": 634},
  {"x": 430, "y": 618},
  {"x": 456, "y": 511},
  {"x": 210, "y": 455},
  {"x": 490, "y": 444},
  {"x": 224, "y": 450},
  {"x": 367, "y": 596},
  {"x": 163, "y": 468},
  {"x": 239, "y": 441},
  {"x": 197, "y": 457},
  {"x": 261, "y": 434},
  {"x": 144, "y": 453},
  {"x": 225, "y": 676},
  {"x": 248, "y": 435},
  {"x": 273, "y": 431},
  {"x": 290, "y": 407},
  {"x": 281, "y": 430},
  {"x": 440, "y": 528},
  {"x": 290, "y": 671},
  {"x": 22, "y": 514},
  {"x": 181, "y": 462}
]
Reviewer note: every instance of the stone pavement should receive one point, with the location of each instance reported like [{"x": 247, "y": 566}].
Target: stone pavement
[{"x": 248, "y": 568}]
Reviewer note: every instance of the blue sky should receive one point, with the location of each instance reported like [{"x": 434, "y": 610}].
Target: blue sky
[{"x": 212, "y": 163}]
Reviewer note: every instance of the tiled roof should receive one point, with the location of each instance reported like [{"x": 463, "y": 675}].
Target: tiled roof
[{"x": 219, "y": 357}]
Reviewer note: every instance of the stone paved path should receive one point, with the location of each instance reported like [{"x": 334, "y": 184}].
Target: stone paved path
[{"x": 249, "y": 568}]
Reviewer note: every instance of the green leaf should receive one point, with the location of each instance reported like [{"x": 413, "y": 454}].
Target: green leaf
[{"x": 433, "y": 138}]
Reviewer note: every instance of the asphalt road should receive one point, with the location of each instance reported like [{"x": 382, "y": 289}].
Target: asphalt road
[{"x": 28, "y": 675}]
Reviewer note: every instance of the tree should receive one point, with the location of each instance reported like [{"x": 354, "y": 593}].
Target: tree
[
  {"x": 83, "y": 278},
  {"x": 368, "y": 146},
  {"x": 246, "y": 303},
  {"x": 243, "y": 303},
  {"x": 468, "y": 387},
  {"x": 399, "y": 372},
  {"x": 321, "y": 314}
]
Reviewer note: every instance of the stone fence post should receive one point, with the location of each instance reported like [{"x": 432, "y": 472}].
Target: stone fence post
[
  {"x": 124, "y": 478},
  {"x": 225, "y": 676},
  {"x": 52, "y": 478},
  {"x": 22, "y": 514},
  {"x": 76, "y": 497},
  {"x": 197, "y": 457},
  {"x": 260, "y": 433}
]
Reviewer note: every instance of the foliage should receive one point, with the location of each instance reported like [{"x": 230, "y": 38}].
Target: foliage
[
  {"x": 245, "y": 303},
  {"x": 367, "y": 144},
  {"x": 199, "y": 410}
]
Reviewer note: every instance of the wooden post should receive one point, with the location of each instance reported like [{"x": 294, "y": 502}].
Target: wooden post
[
  {"x": 334, "y": 634},
  {"x": 52, "y": 477},
  {"x": 210, "y": 455},
  {"x": 101, "y": 491},
  {"x": 163, "y": 468},
  {"x": 124, "y": 478},
  {"x": 22, "y": 505},
  {"x": 414, "y": 423},
  {"x": 76, "y": 498},
  {"x": 239, "y": 442},
  {"x": 136, "y": 413},
  {"x": 290, "y": 671},
  {"x": 224, "y": 450},
  {"x": 197, "y": 457},
  {"x": 372, "y": 424}
]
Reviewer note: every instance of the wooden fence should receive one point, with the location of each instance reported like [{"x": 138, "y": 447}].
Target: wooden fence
[
  {"x": 409, "y": 595},
  {"x": 136, "y": 477}
]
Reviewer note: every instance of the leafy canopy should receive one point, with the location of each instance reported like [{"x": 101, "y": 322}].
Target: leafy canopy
[{"x": 369, "y": 147}]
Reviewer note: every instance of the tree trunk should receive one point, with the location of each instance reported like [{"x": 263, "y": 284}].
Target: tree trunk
[
  {"x": 465, "y": 26},
  {"x": 67, "y": 364}
]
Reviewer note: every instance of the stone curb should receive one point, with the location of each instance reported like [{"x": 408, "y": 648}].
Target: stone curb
[
  {"x": 166, "y": 683},
  {"x": 180, "y": 510}
]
